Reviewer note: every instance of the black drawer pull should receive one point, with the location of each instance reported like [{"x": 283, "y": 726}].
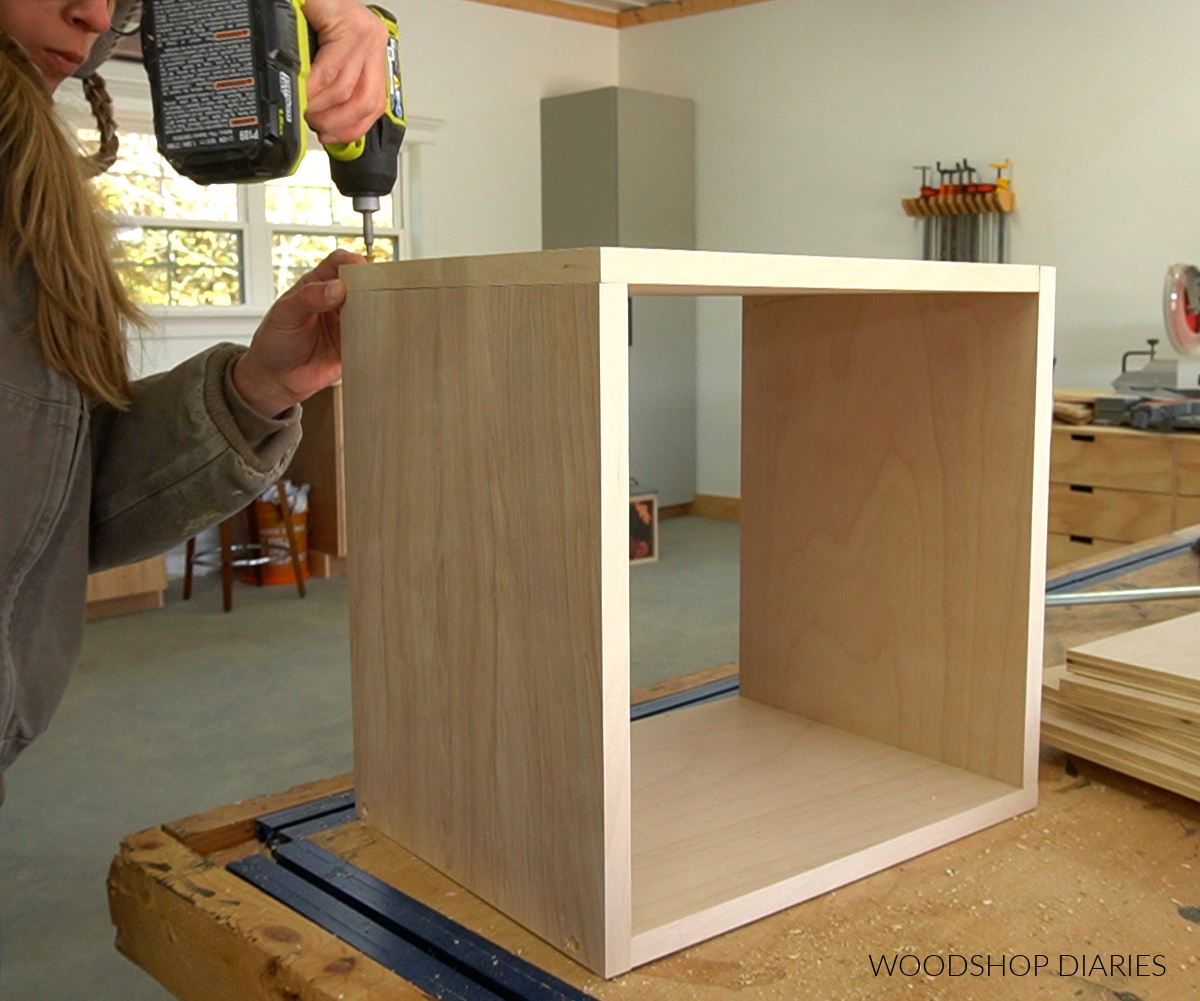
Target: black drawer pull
[
  {"x": 1087, "y": 540},
  {"x": 1083, "y": 437},
  {"x": 1080, "y": 489}
]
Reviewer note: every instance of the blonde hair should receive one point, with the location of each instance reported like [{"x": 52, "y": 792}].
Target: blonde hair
[{"x": 53, "y": 221}]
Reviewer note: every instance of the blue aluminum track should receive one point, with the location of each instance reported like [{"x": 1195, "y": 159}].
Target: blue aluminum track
[
  {"x": 426, "y": 948},
  {"x": 1078, "y": 579},
  {"x": 436, "y": 954}
]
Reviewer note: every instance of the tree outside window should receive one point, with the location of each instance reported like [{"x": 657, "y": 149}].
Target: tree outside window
[{"x": 183, "y": 244}]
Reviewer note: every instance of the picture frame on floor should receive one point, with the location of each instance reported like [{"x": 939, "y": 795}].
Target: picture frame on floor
[{"x": 643, "y": 528}]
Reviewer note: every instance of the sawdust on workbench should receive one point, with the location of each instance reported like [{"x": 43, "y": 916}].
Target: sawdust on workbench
[
  {"x": 1103, "y": 867},
  {"x": 1094, "y": 871}
]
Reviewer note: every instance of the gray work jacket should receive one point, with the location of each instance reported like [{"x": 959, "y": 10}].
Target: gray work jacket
[{"x": 85, "y": 488}]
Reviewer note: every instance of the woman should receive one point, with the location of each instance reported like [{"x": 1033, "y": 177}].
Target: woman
[{"x": 99, "y": 471}]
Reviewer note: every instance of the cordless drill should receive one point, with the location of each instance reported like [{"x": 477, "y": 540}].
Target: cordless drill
[{"x": 228, "y": 79}]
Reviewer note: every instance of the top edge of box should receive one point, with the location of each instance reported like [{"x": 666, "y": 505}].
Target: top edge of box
[{"x": 695, "y": 272}]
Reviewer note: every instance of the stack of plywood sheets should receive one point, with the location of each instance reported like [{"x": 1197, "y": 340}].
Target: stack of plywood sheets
[{"x": 1132, "y": 702}]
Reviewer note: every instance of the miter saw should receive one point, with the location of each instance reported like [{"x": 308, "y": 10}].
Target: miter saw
[
  {"x": 1150, "y": 396},
  {"x": 1181, "y": 308},
  {"x": 1162, "y": 403},
  {"x": 1181, "y": 316}
]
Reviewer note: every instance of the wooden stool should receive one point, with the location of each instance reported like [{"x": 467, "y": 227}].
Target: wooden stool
[{"x": 229, "y": 550}]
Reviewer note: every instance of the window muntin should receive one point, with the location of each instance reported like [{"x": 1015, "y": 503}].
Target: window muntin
[
  {"x": 183, "y": 244},
  {"x": 309, "y": 198}
]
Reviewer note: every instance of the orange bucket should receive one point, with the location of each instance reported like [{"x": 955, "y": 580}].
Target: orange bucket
[{"x": 272, "y": 535}]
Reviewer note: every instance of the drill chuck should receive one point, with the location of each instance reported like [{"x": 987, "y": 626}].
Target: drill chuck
[{"x": 368, "y": 205}]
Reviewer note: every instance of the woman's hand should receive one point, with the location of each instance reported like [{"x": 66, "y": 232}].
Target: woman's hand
[
  {"x": 297, "y": 349},
  {"x": 347, "y": 83}
]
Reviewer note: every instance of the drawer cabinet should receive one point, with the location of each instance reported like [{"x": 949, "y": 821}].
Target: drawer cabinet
[
  {"x": 1112, "y": 457},
  {"x": 1065, "y": 548},
  {"x": 1101, "y": 513},
  {"x": 1187, "y": 467},
  {"x": 1110, "y": 486}
]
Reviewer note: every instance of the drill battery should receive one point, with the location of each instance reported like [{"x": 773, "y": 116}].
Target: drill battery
[{"x": 228, "y": 79}]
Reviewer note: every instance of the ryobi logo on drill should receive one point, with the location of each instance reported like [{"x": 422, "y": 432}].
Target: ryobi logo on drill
[
  {"x": 395, "y": 90},
  {"x": 285, "y": 89}
]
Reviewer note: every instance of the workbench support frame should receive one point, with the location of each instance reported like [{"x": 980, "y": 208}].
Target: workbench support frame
[{"x": 895, "y": 461}]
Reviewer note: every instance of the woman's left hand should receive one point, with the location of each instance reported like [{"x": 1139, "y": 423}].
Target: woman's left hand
[{"x": 297, "y": 349}]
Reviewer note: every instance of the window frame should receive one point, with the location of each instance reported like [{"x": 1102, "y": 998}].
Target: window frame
[{"x": 257, "y": 232}]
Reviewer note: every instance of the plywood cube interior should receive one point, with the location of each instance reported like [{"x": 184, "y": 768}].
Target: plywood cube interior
[
  {"x": 887, "y": 465},
  {"x": 892, "y": 515}
]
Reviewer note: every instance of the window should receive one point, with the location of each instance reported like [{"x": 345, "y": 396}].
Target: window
[
  {"x": 309, "y": 219},
  {"x": 172, "y": 249},
  {"x": 184, "y": 244}
]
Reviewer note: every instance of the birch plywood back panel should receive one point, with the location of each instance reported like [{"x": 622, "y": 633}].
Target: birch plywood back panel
[
  {"x": 887, "y": 490},
  {"x": 474, "y": 470}
]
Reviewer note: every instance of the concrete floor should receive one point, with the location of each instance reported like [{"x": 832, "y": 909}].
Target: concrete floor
[{"x": 182, "y": 710}]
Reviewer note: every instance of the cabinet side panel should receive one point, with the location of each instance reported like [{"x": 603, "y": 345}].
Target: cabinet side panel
[
  {"x": 614, "y": 501},
  {"x": 887, "y": 476},
  {"x": 318, "y": 462},
  {"x": 473, "y": 491}
]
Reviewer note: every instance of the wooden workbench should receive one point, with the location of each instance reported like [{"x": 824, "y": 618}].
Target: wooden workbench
[{"x": 1105, "y": 865}]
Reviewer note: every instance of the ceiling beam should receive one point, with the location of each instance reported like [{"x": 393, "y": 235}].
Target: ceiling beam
[
  {"x": 678, "y": 8},
  {"x": 558, "y": 8},
  {"x": 626, "y": 18}
]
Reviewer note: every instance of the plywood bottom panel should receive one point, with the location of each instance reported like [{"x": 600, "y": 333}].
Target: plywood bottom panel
[{"x": 740, "y": 809}]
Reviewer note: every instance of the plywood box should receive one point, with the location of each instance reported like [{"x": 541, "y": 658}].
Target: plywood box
[
  {"x": 895, "y": 435},
  {"x": 135, "y": 587}
]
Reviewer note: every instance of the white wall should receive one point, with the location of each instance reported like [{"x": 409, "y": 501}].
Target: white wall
[
  {"x": 482, "y": 71},
  {"x": 474, "y": 75},
  {"x": 811, "y": 114}
]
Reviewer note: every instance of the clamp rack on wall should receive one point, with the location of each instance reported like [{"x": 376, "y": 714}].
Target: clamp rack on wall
[{"x": 963, "y": 219}]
